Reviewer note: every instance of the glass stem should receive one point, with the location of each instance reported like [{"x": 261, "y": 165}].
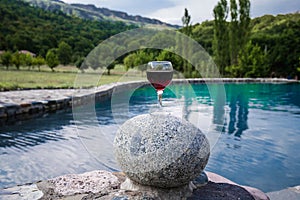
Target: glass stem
[{"x": 159, "y": 97}]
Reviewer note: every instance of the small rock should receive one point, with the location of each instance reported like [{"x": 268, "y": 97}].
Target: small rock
[
  {"x": 89, "y": 182},
  {"x": 201, "y": 180}
]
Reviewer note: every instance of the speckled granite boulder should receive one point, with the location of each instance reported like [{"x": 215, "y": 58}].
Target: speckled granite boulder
[{"x": 161, "y": 150}]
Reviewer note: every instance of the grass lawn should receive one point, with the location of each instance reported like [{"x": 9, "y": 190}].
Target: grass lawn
[{"x": 63, "y": 77}]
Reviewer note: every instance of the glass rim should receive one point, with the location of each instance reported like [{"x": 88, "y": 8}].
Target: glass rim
[{"x": 154, "y": 64}]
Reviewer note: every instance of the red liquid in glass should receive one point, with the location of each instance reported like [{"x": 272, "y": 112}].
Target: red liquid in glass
[{"x": 159, "y": 79}]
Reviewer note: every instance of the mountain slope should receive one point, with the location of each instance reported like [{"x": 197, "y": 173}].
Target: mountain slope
[
  {"x": 91, "y": 12},
  {"x": 23, "y": 27}
]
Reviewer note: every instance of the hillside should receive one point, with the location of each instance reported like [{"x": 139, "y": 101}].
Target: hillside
[
  {"x": 267, "y": 24},
  {"x": 271, "y": 24},
  {"x": 91, "y": 12},
  {"x": 278, "y": 36},
  {"x": 23, "y": 27}
]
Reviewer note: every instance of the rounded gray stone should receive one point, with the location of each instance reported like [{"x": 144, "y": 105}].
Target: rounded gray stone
[{"x": 161, "y": 150}]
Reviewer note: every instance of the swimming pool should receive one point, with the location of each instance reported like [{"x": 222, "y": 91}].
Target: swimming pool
[{"x": 257, "y": 129}]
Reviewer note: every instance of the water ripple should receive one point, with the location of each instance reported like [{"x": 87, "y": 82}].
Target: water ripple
[{"x": 258, "y": 146}]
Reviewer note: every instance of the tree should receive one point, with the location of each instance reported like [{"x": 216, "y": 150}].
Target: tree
[
  {"x": 79, "y": 64},
  {"x": 251, "y": 63},
  {"x": 244, "y": 21},
  {"x": 28, "y": 59},
  {"x": 64, "y": 53},
  {"x": 239, "y": 28},
  {"x": 237, "y": 33},
  {"x": 110, "y": 67},
  {"x": 129, "y": 61},
  {"x": 143, "y": 59},
  {"x": 187, "y": 29},
  {"x": 38, "y": 61},
  {"x": 203, "y": 33},
  {"x": 138, "y": 59},
  {"x": 6, "y": 59},
  {"x": 233, "y": 33},
  {"x": 186, "y": 22},
  {"x": 220, "y": 43},
  {"x": 298, "y": 68},
  {"x": 18, "y": 59},
  {"x": 52, "y": 59},
  {"x": 175, "y": 59}
]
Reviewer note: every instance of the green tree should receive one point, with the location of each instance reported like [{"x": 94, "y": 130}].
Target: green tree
[
  {"x": 64, "y": 53},
  {"x": 187, "y": 29},
  {"x": 221, "y": 38},
  {"x": 79, "y": 64},
  {"x": 251, "y": 63},
  {"x": 239, "y": 28},
  {"x": 186, "y": 22},
  {"x": 298, "y": 68},
  {"x": 18, "y": 59},
  {"x": 142, "y": 60},
  {"x": 28, "y": 61},
  {"x": 139, "y": 59},
  {"x": 6, "y": 59},
  {"x": 110, "y": 67},
  {"x": 52, "y": 59},
  {"x": 175, "y": 59},
  {"x": 129, "y": 61},
  {"x": 234, "y": 33},
  {"x": 38, "y": 61},
  {"x": 203, "y": 33},
  {"x": 244, "y": 22},
  {"x": 231, "y": 37}
]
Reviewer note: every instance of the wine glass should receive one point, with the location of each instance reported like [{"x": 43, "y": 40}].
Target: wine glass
[{"x": 159, "y": 74}]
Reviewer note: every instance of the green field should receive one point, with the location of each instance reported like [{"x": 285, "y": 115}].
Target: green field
[{"x": 63, "y": 77}]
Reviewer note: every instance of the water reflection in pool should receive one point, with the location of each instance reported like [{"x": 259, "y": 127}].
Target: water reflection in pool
[{"x": 258, "y": 146}]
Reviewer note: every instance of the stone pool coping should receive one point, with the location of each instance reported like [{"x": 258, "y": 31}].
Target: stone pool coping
[
  {"x": 106, "y": 185},
  {"x": 24, "y": 104}
]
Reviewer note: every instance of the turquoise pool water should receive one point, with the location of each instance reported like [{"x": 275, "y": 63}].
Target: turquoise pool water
[{"x": 254, "y": 130}]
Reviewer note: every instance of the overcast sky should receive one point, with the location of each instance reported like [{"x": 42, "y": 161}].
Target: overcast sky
[{"x": 171, "y": 11}]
